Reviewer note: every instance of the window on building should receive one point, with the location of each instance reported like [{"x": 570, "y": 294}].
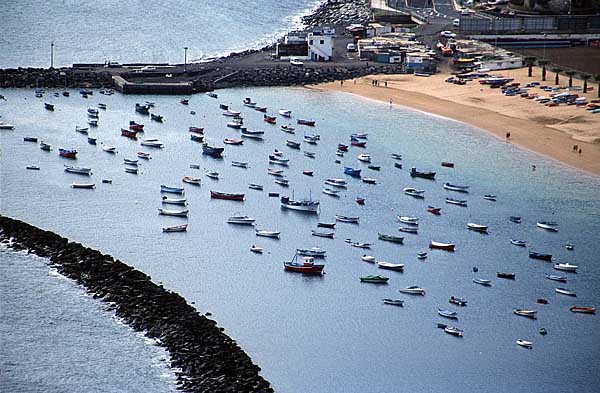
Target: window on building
[{"x": 322, "y": 42}]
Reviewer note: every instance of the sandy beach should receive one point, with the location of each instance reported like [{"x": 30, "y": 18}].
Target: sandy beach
[{"x": 551, "y": 131}]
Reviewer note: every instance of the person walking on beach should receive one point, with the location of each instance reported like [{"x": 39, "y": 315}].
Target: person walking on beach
[
  {"x": 385, "y": 83},
  {"x": 508, "y": 135},
  {"x": 579, "y": 151},
  {"x": 391, "y": 102},
  {"x": 342, "y": 83}
]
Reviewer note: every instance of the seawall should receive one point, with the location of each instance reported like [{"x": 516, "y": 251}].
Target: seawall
[{"x": 209, "y": 360}]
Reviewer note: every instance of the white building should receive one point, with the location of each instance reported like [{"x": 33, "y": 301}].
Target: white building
[
  {"x": 320, "y": 45},
  {"x": 502, "y": 63}
]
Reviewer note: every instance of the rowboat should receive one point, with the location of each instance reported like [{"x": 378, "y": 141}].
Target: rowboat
[
  {"x": 336, "y": 182},
  {"x": 285, "y": 112},
  {"x": 477, "y": 227},
  {"x": 83, "y": 185},
  {"x": 374, "y": 279},
  {"x": 262, "y": 109},
  {"x": 425, "y": 175},
  {"x": 6, "y": 126},
  {"x": 241, "y": 220},
  {"x": 236, "y": 123},
  {"x": 78, "y": 170},
  {"x": 275, "y": 172},
  {"x": 508, "y": 276},
  {"x": 434, "y": 210},
  {"x": 356, "y": 143},
  {"x": 414, "y": 192},
  {"x": 542, "y": 301},
  {"x": 92, "y": 141},
  {"x": 526, "y": 344},
  {"x": 145, "y": 156},
  {"x": 197, "y": 130},
  {"x": 264, "y": 233},
  {"x": 93, "y": 122},
  {"x": 543, "y": 257},
  {"x": 448, "y": 313},
  {"x": 458, "y": 202},
  {"x": 82, "y": 130},
  {"x": 374, "y": 167},
  {"x": 307, "y": 266},
  {"x": 459, "y": 301},
  {"x": 564, "y": 291},
  {"x": 231, "y": 113},
  {"x": 341, "y": 147},
  {"x": 233, "y": 141},
  {"x": 520, "y": 243},
  {"x": 270, "y": 119},
  {"x": 107, "y": 181},
  {"x": 93, "y": 111},
  {"x": 127, "y": 161},
  {"x": 490, "y": 197},
  {"x": 309, "y": 154},
  {"x": 393, "y": 302},
  {"x": 390, "y": 238},
  {"x": 109, "y": 149},
  {"x": 453, "y": 331},
  {"x": 409, "y": 229},
  {"x": 422, "y": 255},
  {"x": 44, "y": 146},
  {"x": 329, "y": 191},
  {"x": 342, "y": 218},
  {"x": 212, "y": 175},
  {"x": 399, "y": 267},
  {"x": 310, "y": 123},
  {"x": 282, "y": 181},
  {"x": 191, "y": 180},
  {"x": 67, "y": 153},
  {"x": 172, "y": 190},
  {"x": 442, "y": 246},
  {"x": 256, "y": 249},
  {"x": 454, "y": 187},
  {"x": 292, "y": 144},
  {"x": 554, "y": 277},
  {"x": 566, "y": 267},
  {"x": 176, "y": 228},
  {"x": 447, "y": 164},
  {"x": 362, "y": 135},
  {"x": 583, "y": 310},
  {"x": 129, "y": 133},
  {"x": 358, "y": 244},
  {"x": 314, "y": 252},
  {"x": 549, "y": 226},
  {"x": 178, "y": 213},
  {"x": 515, "y": 219},
  {"x": 307, "y": 205},
  {"x": 396, "y": 156},
  {"x": 408, "y": 220},
  {"x": 364, "y": 157},
  {"x": 482, "y": 281},
  {"x": 368, "y": 258},
  {"x": 525, "y": 313},
  {"x": 152, "y": 142},
  {"x": 278, "y": 160},
  {"x": 323, "y": 234},
  {"x": 287, "y": 128},
  {"x": 225, "y": 195},
  {"x": 174, "y": 201},
  {"x": 255, "y": 186},
  {"x": 212, "y": 151},
  {"x": 413, "y": 290},
  {"x": 369, "y": 180},
  {"x": 326, "y": 224}
]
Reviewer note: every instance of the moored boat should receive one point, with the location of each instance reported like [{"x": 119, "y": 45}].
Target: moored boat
[
  {"x": 490, "y": 197},
  {"x": 174, "y": 201},
  {"x": 287, "y": 128},
  {"x": 92, "y": 141},
  {"x": 390, "y": 238},
  {"x": 157, "y": 118},
  {"x": 176, "y": 213},
  {"x": 525, "y": 344},
  {"x": 477, "y": 227},
  {"x": 520, "y": 243},
  {"x": 329, "y": 191},
  {"x": 127, "y": 161},
  {"x": 509, "y": 276},
  {"x": 409, "y": 229},
  {"x": 285, "y": 112},
  {"x": 414, "y": 192},
  {"x": 564, "y": 291},
  {"x": 225, "y": 195},
  {"x": 67, "y": 153},
  {"x": 336, "y": 182},
  {"x": 458, "y": 202},
  {"x": 256, "y": 249},
  {"x": 78, "y": 170},
  {"x": 45, "y": 146},
  {"x": 447, "y": 313},
  {"x": 583, "y": 310},
  {"x": 270, "y": 119},
  {"x": 145, "y": 156},
  {"x": 329, "y": 235},
  {"x": 314, "y": 252},
  {"x": 307, "y": 266},
  {"x": 515, "y": 219},
  {"x": 393, "y": 302},
  {"x": 176, "y": 228},
  {"x": 133, "y": 170},
  {"x": 369, "y": 180},
  {"x": 307, "y": 205},
  {"x": 265, "y": 233},
  {"x": 255, "y": 186},
  {"x": 547, "y": 225},
  {"x": 442, "y": 246},
  {"x": 240, "y": 164},
  {"x": 83, "y": 185},
  {"x": 447, "y": 164},
  {"x": 109, "y": 149},
  {"x": 399, "y": 267},
  {"x": 374, "y": 279},
  {"x": 453, "y": 331},
  {"x": 554, "y": 277},
  {"x": 310, "y": 123},
  {"x": 425, "y": 175},
  {"x": 241, "y": 220},
  {"x": 364, "y": 157},
  {"x": 292, "y": 144},
  {"x": 543, "y": 257},
  {"x": 459, "y": 301},
  {"x": 191, "y": 180},
  {"x": 326, "y": 224},
  {"x": 351, "y": 219},
  {"x": 172, "y": 190},
  {"x": 212, "y": 151},
  {"x": 152, "y": 142},
  {"x": 413, "y": 290},
  {"x": 408, "y": 220},
  {"x": 566, "y": 267},
  {"x": 434, "y": 210},
  {"x": 482, "y": 281},
  {"x": 454, "y": 187},
  {"x": 229, "y": 141},
  {"x": 368, "y": 258}
]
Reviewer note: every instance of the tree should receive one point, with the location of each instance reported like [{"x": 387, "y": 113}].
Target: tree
[
  {"x": 570, "y": 73},
  {"x": 530, "y": 61},
  {"x": 557, "y": 71},
  {"x": 543, "y": 63},
  {"x": 585, "y": 78}
]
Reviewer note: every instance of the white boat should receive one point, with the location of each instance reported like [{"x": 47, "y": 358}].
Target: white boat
[
  {"x": 566, "y": 267},
  {"x": 477, "y": 227},
  {"x": 329, "y": 235},
  {"x": 264, "y": 233},
  {"x": 368, "y": 258},
  {"x": 255, "y": 186},
  {"x": 275, "y": 172},
  {"x": 83, "y": 185},
  {"x": 306, "y": 205},
  {"x": 127, "y": 161},
  {"x": 310, "y": 154},
  {"x": 369, "y": 180},
  {"x": 549, "y": 226},
  {"x": 448, "y": 313},
  {"x": 289, "y": 129},
  {"x": 554, "y": 277},
  {"x": 235, "y": 123},
  {"x": 336, "y": 182},
  {"x": 109, "y": 149},
  {"x": 359, "y": 244},
  {"x": 278, "y": 160},
  {"x": 240, "y": 164},
  {"x": 362, "y": 135},
  {"x": 414, "y": 192},
  {"x": 525, "y": 313},
  {"x": 177, "y": 228},
  {"x": 6, "y": 126},
  {"x": 351, "y": 219},
  {"x": 92, "y": 111},
  {"x": 133, "y": 170},
  {"x": 256, "y": 249},
  {"x": 174, "y": 201},
  {"x": 282, "y": 181},
  {"x": 408, "y": 220},
  {"x": 413, "y": 290},
  {"x": 393, "y": 302},
  {"x": 520, "y": 243},
  {"x": 364, "y": 157},
  {"x": 311, "y": 252},
  {"x": 151, "y": 142},
  {"x": 490, "y": 197},
  {"x": 331, "y": 192},
  {"x": 231, "y": 113},
  {"x": 454, "y": 187},
  {"x": 102, "y": 106},
  {"x": 191, "y": 180},
  {"x": 253, "y": 134},
  {"x": 564, "y": 291},
  {"x": 178, "y": 213},
  {"x": 285, "y": 112},
  {"x": 212, "y": 175},
  {"x": 78, "y": 170},
  {"x": 241, "y": 220},
  {"x": 93, "y": 122},
  {"x": 525, "y": 344},
  {"x": 482, "y": 281},
  {"x": 459, "y": 202},
  {"x": 391, "y": 266},
  {"x": 145, "y": 156},
  {"x": 453, "y": 331},
  {"x": 409, "y": 229}
]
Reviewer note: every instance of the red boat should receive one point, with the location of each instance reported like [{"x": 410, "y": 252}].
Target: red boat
[
  {"x": 224, "y": 195},
  {"x": 136, "y": 127},
  {"x": 584, "y": 310},
  {"x": 270, "y": 119},
  {"x": 67, "y": 153},
  {"x": 310, "y": 123},
  {"x": 360, "y": 201},
  {"x": 233, "y": 141},
  {"x": 261, "y": 109},
  {"x": 434, "y": 210},
  {"x": 184, "y": 101},
  {"x": 307, "y": 266},
  {"x": 442, "y": 246},
  {"x": 342, "y": 147},
  {"x": 197, "y": 130},
  {"x": 358, "y": 144},
  {"x": 448, "y": 164},
  {"x": 129, "y": 133}
]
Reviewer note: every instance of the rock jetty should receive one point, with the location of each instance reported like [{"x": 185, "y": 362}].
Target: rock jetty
[
  {"x": 339, "y": 12},
  {"x": 54, "y": 78},
  {"x": 207, "y": 360}
]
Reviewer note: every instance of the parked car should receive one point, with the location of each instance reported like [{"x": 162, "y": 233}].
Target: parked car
[
  {"x": 351, "y": 47},
  {"x": 296, "y": 62},
  {"x": 447, "y": 34}
]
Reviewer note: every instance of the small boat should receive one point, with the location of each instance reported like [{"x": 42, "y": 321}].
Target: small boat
[
  {"x": 310, "y": 123},
  {"x": 256, "y": 249},
  {"x": 520, "y": 243},
  {"x": 566, "y": 267},
  {"x": 83, "y": 130},
  {"x": 223, "y": 106},
  {"x": 364, "y": 157},
  {"x": 307, "y": 172},
  {"x": 157, "y": 118},
  {"x": 275, "y": 172},
  {"x": 554, "y": 277},
  {"x": 543, "y": 331},
  {"x": 422, "y": 255},
  {"x": 447, "y": 164},
  {"x": 329, "y": 235},
  {"x": 172, "y": 190},
  {"x": 341, "y": 147},
  {"x": 78, "y": 170},
  {"x": 358, "y": 244},
  {"x": 264, "y": 233},
  {"x": 67, "y": 153},
  {"x": 177, "y": 213},
  {"x": 225, "y": 195},
  {"x": 231, "y": 113},
  {"x": 312, "y": 139},
  {"x": 350, "y": 219},
  {"x": 152, "y": 142},
  {"x": 48, "y": 106},
  {"x": 93, "y": 122},
  {"x": 282, "y": 181},
  {"x": 292, "y": 144},
  {"x": 369, "y": 180},
  {"x": 285, "y": 113},
  {"x": 241, "y": 220},
  {"x": 396, "y": 156},
  {"x": 215, "y": 152},
  {"x": 368, "y": 258},
  {"x": 30, "y": 139},
  {"x": 425, "y": 175},
  {"x": 109, "y": 149},
  {"x": 399, "y": 267},
  {"x": 362, "y": 135},
  {"x": 262, "y": 109},
  {"x": 414, "y": 192},
  {"x": 360, "y": 201},
  {"x": 83, "y": 185},
  {"x": 92, "y": 141},
  {"x": 543, "y": 257},
  {"x": 442, "y": 246},
  {"x": 336, "y": 182},
  {"x": 398, "y": 165},
  {"x": 176, "y": 228},
  {"x": 542, "y": 301},
  {"x": 477, "y": 227},
  {"x": 145, "y": 156},
  {"x": 6, "y": 126},
  {"x": 564, "y": 291},
  {"x": 453, "y": 331},
  {"x": 233, "y": 141},
  {"x": 506, "y": 275},
  {"x": 92, "y": 111},
  {"x": 235, "y": 123},
  {"x": 44, "y": 146},
  {"x": 549, "y": 226},
  {"x": 197, "y": 130},
  {"x": 408, "y": 220},
  {"x": 393, "y": 302},
  {"x": 102, "y": 106},
  {"x": 191, "y": 180},
  {"x": 329, "y": 191},
  {"x": 33, "y": 167},
  {"x": 374, "y": 167},
  {"x": 413, "y": 290},
  {"x": 212, "y": 94},
  {"x": 127, "y": 161},
  {"x": 307, "y": 266},
  {"x": 278, "y": 160},
  {"x": 352, "y": 171},
  {"x": 184, "y": 101},
  {"x": 136, "y": 126},
  {"x": 326, "y": 224},
  {"x": 314, "y": 252},
  {"x": 374, "y": 279},
  {"x": 131, "y": 170},
  {"x": 434, "y": 210},
  {"x": 525, "y": 344},
  {"x": 356, "y": 143},
  {"x": 482, "y": 281},
  {"x": 454, "y": 187},
  {"x": 490, "y": 197},
  {"x": 306, "y": 206},
  {"x": 569, "y": 246},
  {"x": 174, "y": 201},
  {"x": 409, "y": 229},
  {"x": 287, "y": 128},
  {"x": 213, "y": 175},
  {"x": 459, "y": 301},
  {"x": 583, "y": 310},
  {"x": 255, "y": 186},
  {"x": 240, "y": 164},
  {"x": 270, "y": 119},
  {"x": 448, "y": 313},
  {"x": 197, "y": 138},
  {"x": 515, "y": 219},
  {"x": 309, "y": 154},
  {"x": 458, "y": 202}
]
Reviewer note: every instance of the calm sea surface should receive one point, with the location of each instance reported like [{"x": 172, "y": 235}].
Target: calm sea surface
[
  {"x": 138, "y": 31},
  {"x": 331, "y": 333}
]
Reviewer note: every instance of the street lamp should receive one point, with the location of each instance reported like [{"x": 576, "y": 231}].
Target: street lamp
[
  {"x": 185, "y": 58},
  {"x": 544, "y": 54},
  {"x": 51, "y": 54}
]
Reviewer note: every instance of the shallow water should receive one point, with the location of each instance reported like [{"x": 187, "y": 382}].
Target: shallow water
[{"x": 332, "y": 333}]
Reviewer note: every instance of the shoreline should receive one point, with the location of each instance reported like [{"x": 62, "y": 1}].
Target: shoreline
[{"x": 528, "y": 129}]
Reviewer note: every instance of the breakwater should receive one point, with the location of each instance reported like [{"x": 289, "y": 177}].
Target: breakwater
[
  {"x": 340, "y": 12},
  {"x": 208, "y": 360},
  {"x": 54, "y": 78}
]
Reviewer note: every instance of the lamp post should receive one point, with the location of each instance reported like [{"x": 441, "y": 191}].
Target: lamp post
[
  {"x": 544, "y": 54},
  {"x": 51, "y": 54},
  {"x": 185, "y": 48}
]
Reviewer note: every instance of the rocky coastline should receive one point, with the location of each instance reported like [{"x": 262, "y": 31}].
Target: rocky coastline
[
  {"x": 339, "y": 12},
  {"x": 207, "y": 359}
]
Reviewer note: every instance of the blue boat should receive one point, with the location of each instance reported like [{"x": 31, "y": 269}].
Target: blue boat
[
  {"x": 172, "y": 190},
  {"x": 212, "y": 151},
  {"x": 351, "y": 171},
  {"x": 91, "y": 141}
]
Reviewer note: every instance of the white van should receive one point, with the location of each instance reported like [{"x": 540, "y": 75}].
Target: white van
[
  {"x": 351, "y": 47},
  {"x": 456, "y": 22}
]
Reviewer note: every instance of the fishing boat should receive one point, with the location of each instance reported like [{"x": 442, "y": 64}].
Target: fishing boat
[
  {"x": 172, "y": 190},
  {"x": 287, "y": 128},
  {"x": 78, "y": 170},
  {"x": 225, "y": 195},
  {"x": 364, "y": 157},
  {"x": 282, "y": 181},
  {"x": 212, "y": 151},
  {"x": 341, "y": 183},
  {"x": 278, "y": 160},
  {"x": 197, "y": 138},
  {"x": 177, "y": 213},
  {"x": 255, "y": 186},
  {"x": 265, "y": 233},
  {"x": 109, "y": 149},
  {"x": 447, "y": 313},
  {"x": 490, "y": 197},
  {"x": 145, "y": 156},
  {"x": 425, "y": 175},
  {"x": 566, "y": 267},
  {"x": 326, "y": 224},
  {"x": 191, "y": 180},
  {"x": 549, "y": 226},
  {"x": 564, "y": 291},
  {"x": 307, "y": 266},
  {"x": 83, "y": 185},
  {"x": 506, "y": 275},
  {"x": 231, "y": 113},
  {"x": 312, "y": 139},
  {"x": 212, "y": 175},
  {"x": 292, "y": 144},
  {"x": 352, "y": 171},
  {"x": 350, "y": 219},
  {"x": 176, "y": 228},
  {"x": 127, "y": 161},
  {"x": 83, "y": 130},
  {"x": 157, "y": 118},
  {"x": 256, "y": 249},
  {"x": 309, "y": 154},
  {"x": 285, "y": 112},
  {"x": 482, "y": 281},
  {"x": 414, "y": 192},
  {"x": 329, "y": 235},
  {"x": 422, "y": 255},
  {"x": 459, "y": 301},
  {"x": 314, "y": 252},
  {"x": 92, "y": 141},
  {"x": 262, "y": 109},
  {"x": 520, "y": 243},
  {"x": 454, "y": 187},
  {"x": 329, "y": 191},
  {"x": 453, "y": 331},
  {"x": 44, "y": 146},
  {"x": 399, "y": 267},
  {"x": 275, "y": 172},
  {"x": 307, "y": 205},
  {"x": 368, "y": 258},
  {"x": 408, "y": 220},
  {"x": 525, "y": 344},
  {"x": 173, "y": 201},
  {"x": 393, "y": 302},
  {"x": 241, "y": 220},
  {"x": 307, "y": 172},
  {"x": 229, "y": 141},
  {"x": 310, "y": 123},
  {"x": 390, "y": 238},
  {"x": 447, "y": 164},
  {"x": 67, "y": 153},
  {"x": 434, "y": 210},
  {"x": 413, "y": 290},
  {"x": 554, "y": 277},
  {"x": 477, "y": 227},
  {"x": 131, "y": 170},
  {"x": 152, "y": 142},
  {"x": 48, "y": 106},
  {"x": 543, "y": 257},
  {"x": 515, "y": 219},
  {"x": 409, "y": 229},
  {"x": 240, "y": 164},
  {"x": 442, "y": 246},
  {"x": 457, "y": 202},
  {"x": 270, "y": 119},
  {"x": 583, "y": 310},
  {"x": 374, "y": 279}
]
